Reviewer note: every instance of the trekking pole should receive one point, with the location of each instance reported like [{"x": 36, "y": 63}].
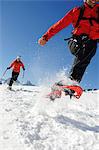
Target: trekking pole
[
  {"x": 23, "y": 76},
  {"x": 3, "y": 74}
]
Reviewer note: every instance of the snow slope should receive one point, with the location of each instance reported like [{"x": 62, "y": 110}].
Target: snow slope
[{"x": 30, "y": 121}]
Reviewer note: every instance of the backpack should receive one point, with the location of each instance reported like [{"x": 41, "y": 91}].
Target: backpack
[
  {"x": 82, "y": 8},
  {"x": 75, "y": 43},
  {"x": 80, "y": 17}
]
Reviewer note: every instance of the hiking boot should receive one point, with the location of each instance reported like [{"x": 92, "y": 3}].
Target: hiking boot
[{"x": 9, "y": 87}]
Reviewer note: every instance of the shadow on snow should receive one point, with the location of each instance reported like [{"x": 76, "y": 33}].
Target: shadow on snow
[{"x": 77, "y": 124}]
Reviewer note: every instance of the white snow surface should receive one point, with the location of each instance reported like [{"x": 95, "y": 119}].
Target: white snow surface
[{"x": 30, "y": 121}]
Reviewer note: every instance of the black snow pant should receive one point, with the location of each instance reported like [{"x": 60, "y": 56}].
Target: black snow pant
[
  {"x": 82, "y": 60},
  {"x": 13, "y": 78}
]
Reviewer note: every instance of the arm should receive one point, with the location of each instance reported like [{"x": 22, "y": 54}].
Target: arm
[
  {"x": 22, "y": 66},
  {"x": 10, "y": 65},
  {"x": 61, "y": 24}
]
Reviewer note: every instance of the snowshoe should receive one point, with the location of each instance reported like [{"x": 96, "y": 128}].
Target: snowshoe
[{"x": 71, "y": 90}]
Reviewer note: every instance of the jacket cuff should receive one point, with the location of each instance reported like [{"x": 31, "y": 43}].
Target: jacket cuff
[{"x": 45, "y": 37}]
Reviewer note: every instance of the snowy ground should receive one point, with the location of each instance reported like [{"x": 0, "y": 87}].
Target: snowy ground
[{"x": 29, "y": 121}]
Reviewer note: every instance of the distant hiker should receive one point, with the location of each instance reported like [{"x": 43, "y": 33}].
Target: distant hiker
[
  {"x": 83, "y": 43},
  {"x": 15, "y": 65}
]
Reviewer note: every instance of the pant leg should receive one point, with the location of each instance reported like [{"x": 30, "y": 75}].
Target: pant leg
[
  {"x": 13, "y": 78},
  {"x": 82, "y": 60}
]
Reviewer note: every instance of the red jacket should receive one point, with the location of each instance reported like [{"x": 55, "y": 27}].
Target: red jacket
[
  {"x": 16, "y": 65},
  {"x": 84, "y": 25}
]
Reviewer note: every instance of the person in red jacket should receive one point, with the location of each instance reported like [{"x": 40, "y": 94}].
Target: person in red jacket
[
  {"x": 83, "y": 43},
  {"x": 16, "y": 66}
]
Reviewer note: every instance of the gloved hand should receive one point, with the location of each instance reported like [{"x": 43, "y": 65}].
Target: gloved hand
[
  {"x": 8, "y": 68},
  {"x": 24, "y": 69},
  {"x": 42, "y": 41}
]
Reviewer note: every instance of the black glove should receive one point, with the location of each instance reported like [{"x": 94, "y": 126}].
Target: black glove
[
  {"x": 8, "y": 68},
  {"x": 24, "y": 69}
]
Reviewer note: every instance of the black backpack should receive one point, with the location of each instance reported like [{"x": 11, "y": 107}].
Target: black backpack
[{"x": 82, "y": 9}]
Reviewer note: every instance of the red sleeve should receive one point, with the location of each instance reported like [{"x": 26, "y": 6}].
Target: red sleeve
[
  {"x": 58, "y": 26},
  {"x": 12, "y": 64},
  {"x": 22, "y": 65}
]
